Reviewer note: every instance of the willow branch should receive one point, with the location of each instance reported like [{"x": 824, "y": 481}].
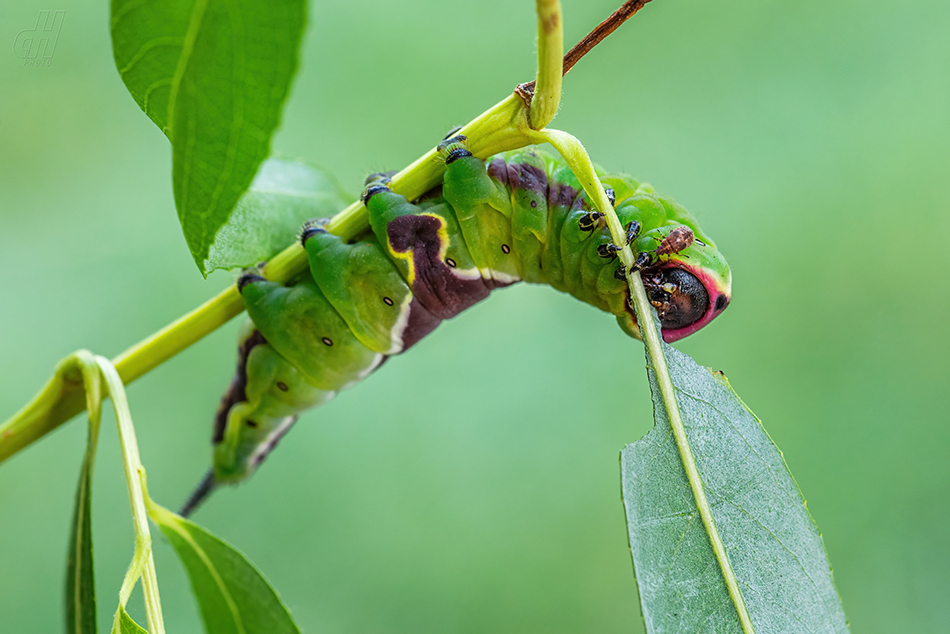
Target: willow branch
[{"x": 504, "y": 126}]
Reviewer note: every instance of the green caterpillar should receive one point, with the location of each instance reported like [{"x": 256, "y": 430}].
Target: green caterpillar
[{"x": 520, "y": 216}]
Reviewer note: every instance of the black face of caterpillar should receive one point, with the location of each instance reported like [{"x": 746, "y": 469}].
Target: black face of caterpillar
[{"x": 679, "y": 297}]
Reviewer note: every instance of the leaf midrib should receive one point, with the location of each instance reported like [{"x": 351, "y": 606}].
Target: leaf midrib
[{"x": 187, "y": 47}]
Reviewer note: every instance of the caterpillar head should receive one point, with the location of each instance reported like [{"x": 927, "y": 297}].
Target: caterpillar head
[
  {"x": 689, "y": 286},
  {"x": 687, "y": 280},
  {"x": 258, "y": 409}
]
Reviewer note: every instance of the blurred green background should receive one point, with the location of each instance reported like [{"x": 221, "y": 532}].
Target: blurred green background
[{"x": 473, "y": 485}]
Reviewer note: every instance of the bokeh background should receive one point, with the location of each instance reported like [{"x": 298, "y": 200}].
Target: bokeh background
[{"x": 473, "y": 485}]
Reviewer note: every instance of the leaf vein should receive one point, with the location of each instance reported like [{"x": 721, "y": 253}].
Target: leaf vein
[
  {"x": 148, "y": 47},
  {"x": 127, "y": 8},
  {"x": 778, "y": 540}
]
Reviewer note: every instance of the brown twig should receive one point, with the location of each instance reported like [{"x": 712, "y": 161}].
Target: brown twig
[{"x": 592, "y": 39}]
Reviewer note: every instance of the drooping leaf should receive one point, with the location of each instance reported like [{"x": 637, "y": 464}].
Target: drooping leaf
[
  {"x": 213, "y": 75},
  {"x": 232, "y": 594},
  {"x": 80, "y": 577},
  {"x": 773, "y": 545},
  {"x": 269, "y": 216},
  {"x": 124, "y": 624}
]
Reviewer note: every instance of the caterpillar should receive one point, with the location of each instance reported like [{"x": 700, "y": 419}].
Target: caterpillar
[{"x": 519, "y": 216}]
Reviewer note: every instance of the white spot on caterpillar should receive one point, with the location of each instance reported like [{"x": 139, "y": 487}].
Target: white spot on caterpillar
[
  {"x": 400, "y": 326},
  {"x": 498, "y": 276},
  {"x": 266, "y": 445},
  {"x": 467, "y": 274},
  {"x": 366, "y": 372}
]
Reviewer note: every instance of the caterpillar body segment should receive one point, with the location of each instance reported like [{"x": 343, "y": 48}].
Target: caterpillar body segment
[
  {"x": 361, "y": 283},
  {"x": 519, "y": 216},
  {"x": 262, "y": 404}
]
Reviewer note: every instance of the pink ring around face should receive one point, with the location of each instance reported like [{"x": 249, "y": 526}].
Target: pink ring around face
[{"x": 718, "y": 296}]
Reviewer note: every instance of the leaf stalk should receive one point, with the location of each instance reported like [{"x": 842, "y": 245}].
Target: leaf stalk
[{"x": 143, "y": 564}]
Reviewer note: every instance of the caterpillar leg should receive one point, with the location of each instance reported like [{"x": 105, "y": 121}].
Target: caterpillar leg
[
  {"x": 483, "y": 209},
  {"x": 453, "y": 148},
  {"x": 643, "y": 260},
  {"x": 609, "y": 249},
  {"x": 591, "y": 221}
]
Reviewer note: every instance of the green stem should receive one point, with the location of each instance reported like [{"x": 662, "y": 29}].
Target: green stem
[
  {"x": 143, "y": 564},
  {"x": 547, "y": 94},
  {"x": 579, "y": 161}
]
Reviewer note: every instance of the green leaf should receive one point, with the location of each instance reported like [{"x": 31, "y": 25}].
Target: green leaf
[
  {"x": 80, "y": 577},
  {"x": 232, "y": 594},
  {"x": 283, "y": 196},
  {"x": 213, "y": 76},
  {"x": 773, "y": 545},
  {"x": 124, "y": 624}
]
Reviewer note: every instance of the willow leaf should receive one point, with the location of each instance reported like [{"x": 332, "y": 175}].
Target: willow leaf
[
  {"x": 283, "y": 196},
  {"x": 233, "y": 596},
  {"x": 212, "y": 75},
  {"x": 771, "y": 542},
  {"x": 80, "y": 577},
  {"x": 124, "y": 624}
]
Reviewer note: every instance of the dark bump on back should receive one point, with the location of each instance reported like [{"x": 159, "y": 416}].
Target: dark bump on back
[
  {"x": 372, "y": 191},
  {"x": 534, "y": 204},
  {"x": 248, "y": 278},
  {"x": 456, "y": 154},
  {"x": 309, "y": 232},
  {"x": 251, "y": 423},
  {"x": 282, "y": 386}
]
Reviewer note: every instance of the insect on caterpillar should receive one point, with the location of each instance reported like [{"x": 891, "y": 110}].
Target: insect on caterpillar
[{"x": 518, "y": 216}]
